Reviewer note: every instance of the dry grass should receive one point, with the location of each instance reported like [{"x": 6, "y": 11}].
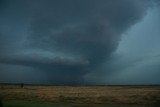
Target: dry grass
[{"x": 83, "y": 94}]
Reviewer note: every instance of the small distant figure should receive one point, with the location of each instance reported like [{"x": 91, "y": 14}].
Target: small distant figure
[{"x": 22, "y": 85}]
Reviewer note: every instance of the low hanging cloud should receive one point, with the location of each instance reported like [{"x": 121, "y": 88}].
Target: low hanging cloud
[{"x": 67, "y": 39}]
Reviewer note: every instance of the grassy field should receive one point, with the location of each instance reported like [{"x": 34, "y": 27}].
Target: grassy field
[{"x": 80, "y": 96}]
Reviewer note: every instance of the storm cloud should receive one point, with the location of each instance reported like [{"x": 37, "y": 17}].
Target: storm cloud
[{"x": 65, "y": 39}]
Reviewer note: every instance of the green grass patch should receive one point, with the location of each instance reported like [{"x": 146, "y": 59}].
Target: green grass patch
[
  {"x": 26, "y": 104},
  {"x": 43, "y": 104}
]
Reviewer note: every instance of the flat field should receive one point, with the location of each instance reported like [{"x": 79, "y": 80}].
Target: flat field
[{"x": 79, "y": 96}]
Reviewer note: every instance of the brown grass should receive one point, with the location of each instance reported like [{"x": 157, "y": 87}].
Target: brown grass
[{"x": 83, "y": 94}]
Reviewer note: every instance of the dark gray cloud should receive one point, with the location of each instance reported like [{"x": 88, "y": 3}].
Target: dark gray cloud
[
  {"x": 91, "y": 29},
  {"x": 136, "y": 61},
  {"x": 67, "y": 39}
]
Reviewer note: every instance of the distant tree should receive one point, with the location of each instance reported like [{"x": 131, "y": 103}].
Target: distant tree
[{"x": 22, "y": 85}]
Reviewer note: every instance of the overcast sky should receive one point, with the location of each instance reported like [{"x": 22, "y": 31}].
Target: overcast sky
[{"x": 80, "y": 41}]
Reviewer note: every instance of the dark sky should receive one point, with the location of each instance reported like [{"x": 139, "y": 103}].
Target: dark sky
[{"x": 80, "y": 41}]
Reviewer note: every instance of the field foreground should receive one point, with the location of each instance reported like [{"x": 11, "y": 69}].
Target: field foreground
[{"x": 76, "y": 96}]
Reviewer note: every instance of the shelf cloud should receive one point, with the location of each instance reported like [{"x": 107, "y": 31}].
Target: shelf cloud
[{"x": 65, "y": 39}]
